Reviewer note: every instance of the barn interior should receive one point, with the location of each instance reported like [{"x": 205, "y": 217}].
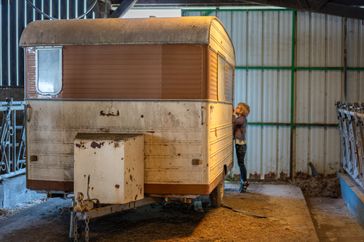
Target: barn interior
[{"x": 299, "y": 65}]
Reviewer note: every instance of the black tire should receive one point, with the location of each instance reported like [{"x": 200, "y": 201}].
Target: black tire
[{"x": 217, "y": 195}]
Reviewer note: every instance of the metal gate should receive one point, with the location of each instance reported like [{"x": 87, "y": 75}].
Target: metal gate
[
  {"x": 351, "y": 122},
  {"x": 12, "y": 139}
]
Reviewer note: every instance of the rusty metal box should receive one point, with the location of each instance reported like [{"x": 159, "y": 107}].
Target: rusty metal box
[{"x": 109, "y": 167}]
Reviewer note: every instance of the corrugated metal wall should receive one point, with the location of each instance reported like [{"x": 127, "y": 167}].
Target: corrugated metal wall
[
  {"x": 14, "y": 16},
  {"x": 290, "y": 71}
]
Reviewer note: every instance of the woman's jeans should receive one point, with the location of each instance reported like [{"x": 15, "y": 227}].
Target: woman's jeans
[{"x": 240, "y": 153}]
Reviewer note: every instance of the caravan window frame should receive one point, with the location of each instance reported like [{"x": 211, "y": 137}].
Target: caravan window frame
[
  {"x": 59, "y": 79},
  {"x": 222, "y": 92}
]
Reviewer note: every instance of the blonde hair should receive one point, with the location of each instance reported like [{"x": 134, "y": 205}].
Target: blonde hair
[{"x": 244, "y": 109}]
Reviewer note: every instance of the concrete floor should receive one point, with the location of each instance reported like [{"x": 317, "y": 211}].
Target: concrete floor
[
  {"x": 333, "y": 221},
  {"x": 266, "y": 213}
]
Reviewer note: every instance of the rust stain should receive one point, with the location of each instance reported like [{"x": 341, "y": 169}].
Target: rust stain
[
  {"x": 103, "y": 113},
  {"x": 117, "y": 186},
  {"x": 270, "y": 176},
  {"x": 301, "y": 174},
  {"x": 95, "y": 145},
  {"x": 283, "y": 176},
  {"x": 196, "y": 162},
  {"x": 80, "y": 145},
  {"x": 254, "y": 176},
  {"x": 33, "y": 158},
  {"x": 116, "y": 144}
]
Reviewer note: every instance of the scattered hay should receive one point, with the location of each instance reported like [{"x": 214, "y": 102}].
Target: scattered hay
[{"x": 319, "y": 186}]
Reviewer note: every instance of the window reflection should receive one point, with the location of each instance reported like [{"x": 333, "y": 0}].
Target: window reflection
[{"x": 49, "y": 70}]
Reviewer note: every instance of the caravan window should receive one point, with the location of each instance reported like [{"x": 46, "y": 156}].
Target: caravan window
[
  {"x": 221, "y": 79},
  {"x": 225, "y": 80},
  {"x": 49, "y": 70}
]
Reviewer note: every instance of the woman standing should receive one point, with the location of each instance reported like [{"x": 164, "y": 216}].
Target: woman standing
[{"x": 240, "y": 123}]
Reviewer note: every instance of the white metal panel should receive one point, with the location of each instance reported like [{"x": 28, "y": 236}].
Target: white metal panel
[
  {"x": 303, "y": 38},
  {"x": 276, "y": 96},
  {"x": 334, "y": 38},
  {"x": 353, "y": 86},
  {"x": 241, "y": 89},
  {"x": 284, "y": 97},
  {"x": 254, "y": 150},
  {"x": 317, "y": 97},
  {"x": 317, "y": 41},
  {"x": 320, "y": 146},
  {"x": 255, "y": 37},
  {"x": 285, "y": 39},
  {"x": 332, "y": 162},
  {"x": 361, "y": 42},
  {"x": 303, "y": 96},
  {"x": 317, "y": 148},
  {"x": 269, "y": 151},
  {"x": 270, "y": 38},
  {"x": 192, "y": 13},
  {"x": 333, "y": 94},
  {"x": 361, "y": 90},
  {"x": 283, "y": 158},
  {"x": 270, "y": 94},
  {"x": 313, "y": 100},
  {"x": 260, "y": 90},
  {"x": 255, "y": 95},
  {"x": 302, "y": 149},
  {"x": 240, "y": 37},
  {"x": 354, "y": 42}
]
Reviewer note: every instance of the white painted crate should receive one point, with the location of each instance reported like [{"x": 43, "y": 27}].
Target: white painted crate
[{"x": 109, "y": 167}]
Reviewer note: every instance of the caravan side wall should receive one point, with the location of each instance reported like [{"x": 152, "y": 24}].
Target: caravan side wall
[{"x": 162, "y": 91}]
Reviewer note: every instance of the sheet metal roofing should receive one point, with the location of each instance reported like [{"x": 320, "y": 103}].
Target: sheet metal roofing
[{"x": 189, "y": 30}]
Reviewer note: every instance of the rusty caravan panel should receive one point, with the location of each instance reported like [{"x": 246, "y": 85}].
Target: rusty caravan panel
[
  {"x": 229, "y": 79},
  {"x": 183, "y": 72},
  {"x": 188, "y": 189},
  {"x": 129, "y": 72},
  {"x": 30, "y": 75},
  {"x": 212, "y": 75},
  {"x": 41, "y": 185}
]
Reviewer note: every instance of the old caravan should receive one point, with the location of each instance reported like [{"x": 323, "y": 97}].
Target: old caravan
[{"x": 91, "y": 85}]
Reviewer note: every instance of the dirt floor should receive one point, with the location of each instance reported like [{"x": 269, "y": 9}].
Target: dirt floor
[
  {"x": 333, "y": 221},
  {"x": 266, "y": 213}
]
